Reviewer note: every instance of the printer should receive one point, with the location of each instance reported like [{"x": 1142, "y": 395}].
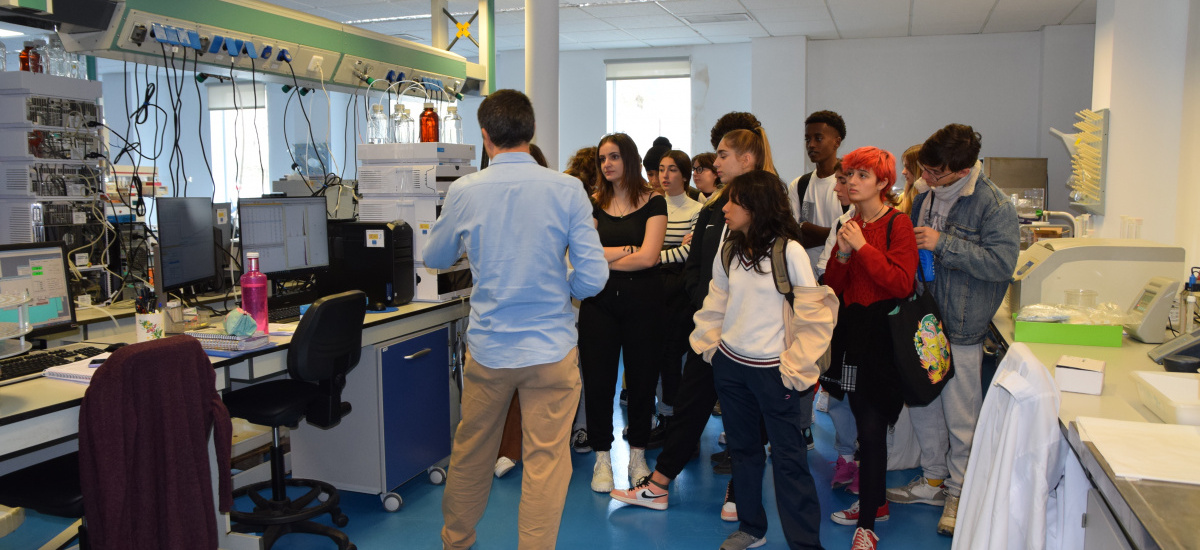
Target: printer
[{"x": 1117, "y": 269}]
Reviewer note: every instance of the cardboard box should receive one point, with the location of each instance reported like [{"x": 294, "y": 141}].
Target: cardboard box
[{"x": 1079, "y": 375}]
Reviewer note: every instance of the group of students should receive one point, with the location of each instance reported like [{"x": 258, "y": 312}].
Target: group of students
[
  {"x": 851, "y": 253},
  {"x": 762, "y": 283}
]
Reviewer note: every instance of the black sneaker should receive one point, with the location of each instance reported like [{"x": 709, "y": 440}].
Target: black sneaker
[
  {"x": 624, "y": 398},
  {"x": 579, "y": 441},
  {"x": 808, "y": 439},
  {"x": 658, "y": 435},
  {"x": 720, "y": 456},
  {"x": 724, "y": 467}
]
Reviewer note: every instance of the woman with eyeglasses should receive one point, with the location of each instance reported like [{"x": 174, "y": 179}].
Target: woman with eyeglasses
[
  {"x": 624, "y": 319},
  {"x": 704, "y": 176}
]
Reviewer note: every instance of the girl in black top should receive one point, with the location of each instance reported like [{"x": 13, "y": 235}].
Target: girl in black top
[{"x": 625, "y": 318}]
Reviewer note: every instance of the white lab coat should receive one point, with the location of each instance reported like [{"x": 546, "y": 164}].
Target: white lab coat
[{"x": 1010, "y": 493}]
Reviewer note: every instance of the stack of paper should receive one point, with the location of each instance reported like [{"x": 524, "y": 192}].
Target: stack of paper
[
  {"x": 1145, "y": 450},
  {"x": 218, "y": 339}
]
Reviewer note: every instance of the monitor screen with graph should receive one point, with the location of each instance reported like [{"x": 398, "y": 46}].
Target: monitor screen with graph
[
  {"x": 41, "y": 270},
  {"x": 289, "y": 234}
]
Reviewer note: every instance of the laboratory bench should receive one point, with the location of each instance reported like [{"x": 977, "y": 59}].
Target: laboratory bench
[
  {"x": 1122, "y": 513},
  {"x": 39, "y": 417}
]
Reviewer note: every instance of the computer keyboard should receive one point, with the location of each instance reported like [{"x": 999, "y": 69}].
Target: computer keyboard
[
  {"x": 34, "y": 362},
  {"x": 283, "y": 314}
]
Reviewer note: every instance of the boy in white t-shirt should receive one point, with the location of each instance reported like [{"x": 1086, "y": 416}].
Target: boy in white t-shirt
[{"x": 812, "y": 195}]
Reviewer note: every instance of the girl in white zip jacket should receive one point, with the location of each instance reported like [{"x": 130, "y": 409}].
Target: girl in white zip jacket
[{"x": 764, "y": 356}]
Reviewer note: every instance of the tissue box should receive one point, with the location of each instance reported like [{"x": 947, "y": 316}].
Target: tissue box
[{"x": 1079, "y": 375}]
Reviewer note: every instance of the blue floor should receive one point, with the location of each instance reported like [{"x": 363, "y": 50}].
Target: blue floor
[{"x": 593, "y": 520}]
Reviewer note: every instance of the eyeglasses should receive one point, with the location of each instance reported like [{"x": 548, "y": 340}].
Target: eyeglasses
[
  {"x": 937, "y": 174},
  {"x": 699, "y": 169}
]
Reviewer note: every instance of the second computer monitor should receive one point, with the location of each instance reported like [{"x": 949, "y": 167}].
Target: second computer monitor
[
  {"x": 289, "y": 234},
  {"x": 40, "y": 271},
  {"x": 185, "y": 241}
]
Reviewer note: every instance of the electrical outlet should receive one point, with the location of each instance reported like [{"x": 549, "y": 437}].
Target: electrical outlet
[{"x": 314, "y": 63}]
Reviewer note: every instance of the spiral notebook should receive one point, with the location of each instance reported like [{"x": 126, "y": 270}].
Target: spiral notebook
[
  {"x": 80, "y": 371},
  {"x": 218, "y": 339}
]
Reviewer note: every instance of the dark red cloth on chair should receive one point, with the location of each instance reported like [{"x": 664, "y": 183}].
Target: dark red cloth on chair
[{"x": 143, "y": 448}]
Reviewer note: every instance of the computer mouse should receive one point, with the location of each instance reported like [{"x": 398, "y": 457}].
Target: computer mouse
[
  {"x": 376, "y": 306},
  {"x": 114, "y": 347}
]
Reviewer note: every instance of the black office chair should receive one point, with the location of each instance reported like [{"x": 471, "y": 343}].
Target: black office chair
[
  {"x": 50, "y": 488},
  {"x": 325, "y": 346}
]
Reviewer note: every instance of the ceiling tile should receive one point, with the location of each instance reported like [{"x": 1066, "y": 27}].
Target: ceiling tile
[
  {"x": 812, "y": 29},
  {"x": 788, "y": 15},
  {"x": 667, "y": 42},
  {"x": 582, "y": 25},
  {"x": 594, "y": 36},
  {"x": 869, "y": 18},
  {"x": 645, "y": 22},
  {"x": 930, "y": 17},
  {"x": 623, "y": 9},
  {"x": 1027, "y": 15},
  {"x": 747, "y": 29},
  {"x": 510, "y": 18},
  {"x": 615, "y": 45},
  {"x": 662, "y": 33},
  {"x": 570, "y": 48},
  {"x": 729, "y": 39},
  {"x": 692, "y": 7},
  {"x": 806, "y": 5},
  {"x": 572, "y": 12},
  {"x": 1083, "y": 14}
]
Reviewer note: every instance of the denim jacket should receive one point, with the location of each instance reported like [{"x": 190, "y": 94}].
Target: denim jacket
[{"x": 974, "y": 259}]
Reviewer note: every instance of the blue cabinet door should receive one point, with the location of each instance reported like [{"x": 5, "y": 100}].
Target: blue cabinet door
[{"x": 416, "y": 405}]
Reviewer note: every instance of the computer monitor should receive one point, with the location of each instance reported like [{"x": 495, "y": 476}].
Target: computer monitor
[
  {"x": 289, "y": 234},
  {"x": 185, "y": 241},
  {"x": 41, "y": 270}
]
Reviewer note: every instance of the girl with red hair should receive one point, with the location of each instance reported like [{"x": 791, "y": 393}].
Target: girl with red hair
[{"x": 873, "y": 264}]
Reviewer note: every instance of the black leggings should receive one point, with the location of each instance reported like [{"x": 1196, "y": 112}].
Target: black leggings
[
  {"x": 872, "y": 421},
  {"x": 625, "y": 319},
  {"x": 677, "y": 316}
]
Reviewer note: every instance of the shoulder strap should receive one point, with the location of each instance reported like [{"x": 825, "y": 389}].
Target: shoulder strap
[
  {"x": 779, "y": 269},
  {"x": 889, "y": 228},
  {"x": 801, "y": 189}
]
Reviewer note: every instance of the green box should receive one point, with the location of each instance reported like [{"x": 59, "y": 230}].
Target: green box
[{"x": 1061, "y": 333}]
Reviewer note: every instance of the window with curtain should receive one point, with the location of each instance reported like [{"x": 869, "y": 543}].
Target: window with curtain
[
  {"x": 240, "y": 140},
  {"x": 648, "y": 98}
]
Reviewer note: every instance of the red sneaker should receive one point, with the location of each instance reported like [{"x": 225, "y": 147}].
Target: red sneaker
[
  {"x": 864, "y": 539},
  {"x": 850, "y": 516}
]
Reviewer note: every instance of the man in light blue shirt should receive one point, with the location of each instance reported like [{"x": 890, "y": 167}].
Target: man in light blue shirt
[{"x": 517, "y": 223}]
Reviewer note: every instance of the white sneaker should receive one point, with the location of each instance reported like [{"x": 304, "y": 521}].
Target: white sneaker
[
  {"x": 637, "y": 466},
  {"x": 602, "y": 475},
  {"x": 721, "y": 439},
  {"x": 504, "y": 465},
  {"x": 918, "y": 491},
  {"x": 945, "y": 525}
]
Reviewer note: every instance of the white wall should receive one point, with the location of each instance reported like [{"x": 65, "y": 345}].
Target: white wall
[
  {"x": 721, "y": 83},
  {"x": 1066, "y": 75},
  {"x": 779, "y": 100},
  {"x": 894, "y": 92},
  {"x": 1187, "y": 223},
  {"x": 1145, "y": 87}
]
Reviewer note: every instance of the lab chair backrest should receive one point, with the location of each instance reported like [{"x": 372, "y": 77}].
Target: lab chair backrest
[{"x": 327, "y": 345}]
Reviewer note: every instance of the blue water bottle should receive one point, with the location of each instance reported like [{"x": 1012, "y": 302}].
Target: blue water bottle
[{"x": 926, "y": 257}]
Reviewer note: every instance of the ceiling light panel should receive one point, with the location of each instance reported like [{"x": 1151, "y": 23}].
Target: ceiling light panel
[{"x": 645, "y": 22}]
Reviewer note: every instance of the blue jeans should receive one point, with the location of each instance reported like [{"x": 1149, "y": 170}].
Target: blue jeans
[
  {"x": 748, "y": 393},
  {"x": 845, "y": 432}
]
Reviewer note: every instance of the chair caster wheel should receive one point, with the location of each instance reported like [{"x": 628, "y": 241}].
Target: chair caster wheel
[
  {"x": 437, "y": 476},
  {"x": 392, "y": 502}
]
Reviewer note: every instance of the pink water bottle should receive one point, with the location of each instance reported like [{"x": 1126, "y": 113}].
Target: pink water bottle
[{"x": 254, "y": 292}]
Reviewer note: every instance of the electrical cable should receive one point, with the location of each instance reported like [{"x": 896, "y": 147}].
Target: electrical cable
[{"x": 324, "y": 170}]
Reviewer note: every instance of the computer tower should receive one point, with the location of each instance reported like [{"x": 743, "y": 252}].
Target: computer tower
[
  {"x": 223, "y": 249},
  {"x": 374, "y": 257}
]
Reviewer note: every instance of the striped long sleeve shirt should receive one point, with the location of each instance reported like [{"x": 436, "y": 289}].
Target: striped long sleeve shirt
[{"x": 682, "y": 212}]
